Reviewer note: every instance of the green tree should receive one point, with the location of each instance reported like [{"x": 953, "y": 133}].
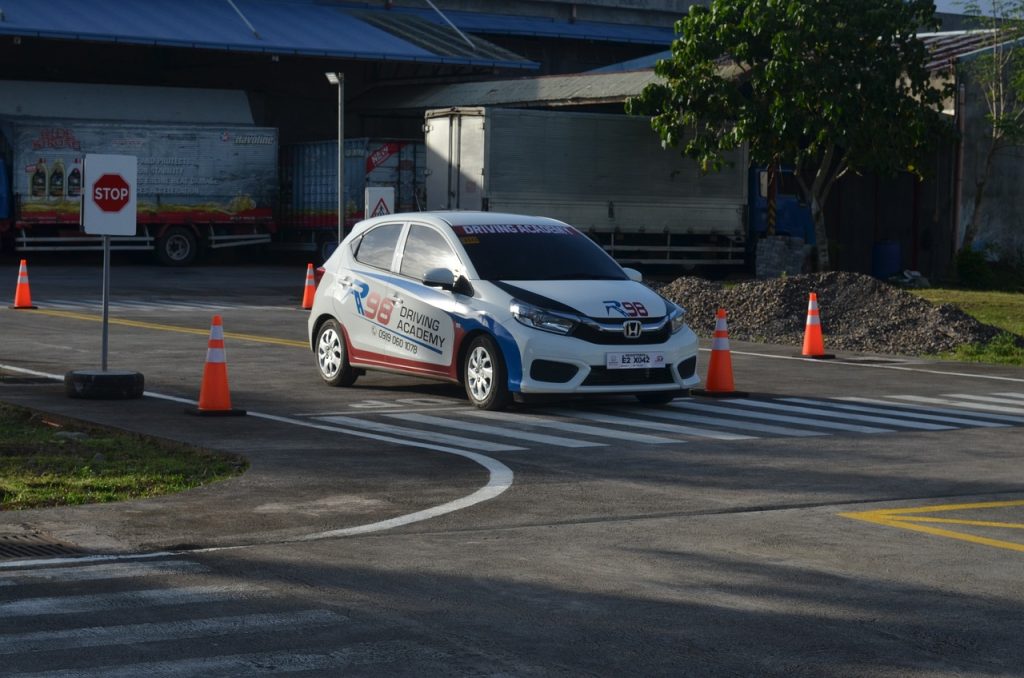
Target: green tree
[
  {"x": 998, "y": 73},
  {"x": 825, "y": 86}
]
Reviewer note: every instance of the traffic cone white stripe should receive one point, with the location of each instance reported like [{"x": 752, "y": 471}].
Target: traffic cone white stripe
[
  {"x": 813, "y": 320},
  {"x": 216, "y": 333},
  {"x": 216, "y": 355},
  {"x": 720, "y": 344}
]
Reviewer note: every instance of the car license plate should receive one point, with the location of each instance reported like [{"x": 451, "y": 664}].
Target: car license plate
[{"x": 634, "y": 361}]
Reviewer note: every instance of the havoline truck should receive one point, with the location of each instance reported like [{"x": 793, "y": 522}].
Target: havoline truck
[
  {"x": 199, "y": 185},
  {"x": 606, "y": 174}
]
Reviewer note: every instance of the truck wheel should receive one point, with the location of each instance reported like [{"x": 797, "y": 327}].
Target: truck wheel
[
  {"x": 177, "y": 247},
  {"x": 325, "y": 247},
  {"x": 332, "y": 356},
  {"x": 484, "y": 375}
]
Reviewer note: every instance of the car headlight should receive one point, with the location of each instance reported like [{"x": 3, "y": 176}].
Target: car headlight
[
  {"x": 677, "y": 315},
  {"x": 541, "y": 319}
]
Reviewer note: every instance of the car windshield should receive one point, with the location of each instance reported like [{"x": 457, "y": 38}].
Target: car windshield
[{"x": 535, "y": 252}]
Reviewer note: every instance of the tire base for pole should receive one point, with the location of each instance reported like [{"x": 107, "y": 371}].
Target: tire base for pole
[
  {"x": 104, "y": 384},
  {"x": 718, "y": 394},
  {"x": 214, "y": 413}
]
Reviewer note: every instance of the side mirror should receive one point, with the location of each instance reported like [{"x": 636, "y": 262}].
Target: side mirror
[
  {"x": 633, "y": 274},
  {"x": 440, "y": 277}
]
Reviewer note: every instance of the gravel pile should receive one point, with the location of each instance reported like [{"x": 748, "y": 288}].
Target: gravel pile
[{"x": 858, "y": 313}]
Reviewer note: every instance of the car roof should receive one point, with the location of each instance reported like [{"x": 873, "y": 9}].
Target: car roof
[{"x": 457, "y": 218}]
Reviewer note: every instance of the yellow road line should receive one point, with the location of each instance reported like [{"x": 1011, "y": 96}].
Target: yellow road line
[
  {"x": 910, "y": 519},
  {"x": 172, "y": 328}
]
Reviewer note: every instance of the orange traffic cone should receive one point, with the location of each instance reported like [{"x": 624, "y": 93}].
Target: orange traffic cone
[
  {"x": 814, "y": 345},
  {"x": 22, "y": 294},
  {"x": 214, "y": 395},
  {"x": 719, "y": 381},
  {"x": 310, "y": 290}
]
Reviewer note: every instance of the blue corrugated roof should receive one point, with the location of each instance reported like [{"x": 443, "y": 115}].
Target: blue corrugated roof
[
  {"x": 506, "y": 24},
  {"x": 281, "y": 27}
]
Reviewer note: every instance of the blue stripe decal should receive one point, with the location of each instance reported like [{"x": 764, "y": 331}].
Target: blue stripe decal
[{"x": 506, "y": 343}]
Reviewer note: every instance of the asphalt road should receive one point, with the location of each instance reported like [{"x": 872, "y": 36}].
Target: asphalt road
[{"x": 855, "y": 517}]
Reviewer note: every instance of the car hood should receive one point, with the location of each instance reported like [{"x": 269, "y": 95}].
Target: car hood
[{"x": 592, "y": 298}]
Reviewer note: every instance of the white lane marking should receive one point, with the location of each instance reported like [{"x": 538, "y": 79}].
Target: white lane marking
[
  {"x": 655, "y": 426},
  {"x": 362, "y": 655},
  {"x": 1019, "y": 396},
  {"x": 875, "y": 367},
  {"x": 988, "y": 399},
  {"x": 731, "y": 423},
  {"x": 936, "y": 410},
  {"x": 128, "y": 634},
  {"x": 419, "y": 434},
  {"x": 960, "y": 403},
  {"x": 155, "y": 305},
  {"x": 499, "y": 479},
  {"x": 889, "y": 411},
  {"x": 557, "y": 441},
  {"x": 185, "y": 595},
  {"x": 804, "y": 421},
  {"x": 818, "y": 412},
  {"x": 104, "y": 571},
  {"x": 535, "y": 420}
]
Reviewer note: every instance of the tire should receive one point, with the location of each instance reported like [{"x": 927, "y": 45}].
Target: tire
[
  {"x": 177, "y": 247},
  {"x": 332, "y": 356},
  {"x": 484, "y": 375},
  {"x": 657, "y": 397}
]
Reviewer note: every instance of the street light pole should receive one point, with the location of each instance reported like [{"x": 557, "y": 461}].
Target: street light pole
[{"x": 338, "y": 79}]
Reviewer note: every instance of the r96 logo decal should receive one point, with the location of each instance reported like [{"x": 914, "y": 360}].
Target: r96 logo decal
[
  {"x": 627, "y": 309},
  {"x": 371, "y": 305}
]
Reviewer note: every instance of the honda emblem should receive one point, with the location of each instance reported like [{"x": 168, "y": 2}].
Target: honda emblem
[{"x": 632, "y": 329}]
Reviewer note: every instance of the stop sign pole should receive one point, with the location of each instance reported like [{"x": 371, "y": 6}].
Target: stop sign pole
[{"x": 109, "y": 208}]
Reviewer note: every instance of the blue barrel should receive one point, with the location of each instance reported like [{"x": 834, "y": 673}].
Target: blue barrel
[{"x": 886, "y": 259}]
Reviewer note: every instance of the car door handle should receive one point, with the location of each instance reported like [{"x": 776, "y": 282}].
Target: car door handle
[
  {"x": 345, "y": 282},
  {"x": 396, "y": 299}
]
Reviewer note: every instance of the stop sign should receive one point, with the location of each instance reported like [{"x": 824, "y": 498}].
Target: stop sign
[{"x": 111, "y": 192}]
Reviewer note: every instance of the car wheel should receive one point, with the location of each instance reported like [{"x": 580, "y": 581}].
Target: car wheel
[
  {"x": 484, "y": 375},
  {"x": 177, "y": 247},
  {"x": 657, "y": 397},
  {"x": 332, "y": 356}
]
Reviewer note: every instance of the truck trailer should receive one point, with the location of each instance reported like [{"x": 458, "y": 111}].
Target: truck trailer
[{"x": 606, "y": 174}]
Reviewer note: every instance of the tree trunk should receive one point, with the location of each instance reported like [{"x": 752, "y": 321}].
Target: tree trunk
[{"x": 820, "y": 235}]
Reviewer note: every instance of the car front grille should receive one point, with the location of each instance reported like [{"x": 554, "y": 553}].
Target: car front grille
[
  {"x": 651, "y": 334},
  {"x": 602, "y": 376}
]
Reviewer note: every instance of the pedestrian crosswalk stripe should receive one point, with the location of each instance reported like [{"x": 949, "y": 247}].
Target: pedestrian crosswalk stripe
[
  {"x": 110, "y": 601},
  {"x": 418, "y": 434},
  {"x": 731, "y": 423},
  {"x": 1011, "y": 402},
  {"x": 962, "y": 403},
  {"x": 871, "y": 419},
  {"x": 929, "y": 405},
  {"x": 534, "y": 420},
  {"x": 889, "y": 411},
  {"x": 127, "y": 634},
  {"x": 819, "y": 423},
  {"x": 654, "y": 426},
  {"x": 493, "y": 430},
  {"x": 102, "y": 571}
]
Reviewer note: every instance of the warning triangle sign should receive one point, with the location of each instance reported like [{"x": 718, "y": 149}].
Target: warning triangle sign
[{"x": 380, "y": 209}]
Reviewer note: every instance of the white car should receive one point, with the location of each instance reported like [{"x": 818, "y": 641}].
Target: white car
[{"x": 507, "y": 305}]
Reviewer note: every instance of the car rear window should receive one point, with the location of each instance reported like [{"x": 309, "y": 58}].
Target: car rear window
[
  {"x": 377, "y": 246},
  {"x": 535, "y": 252}
]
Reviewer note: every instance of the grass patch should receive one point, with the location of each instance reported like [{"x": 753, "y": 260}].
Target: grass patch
[
  {"x": 1004, "y": 310},
  {"x": 50, "y": 461}
]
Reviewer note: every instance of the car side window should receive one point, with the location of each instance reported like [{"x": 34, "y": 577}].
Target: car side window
[
  {"x": 377, "y": 246},
  {"x": 425, "y": 249}
]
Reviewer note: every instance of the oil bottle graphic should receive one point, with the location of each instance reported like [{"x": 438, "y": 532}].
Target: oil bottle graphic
[
  {"x": 38, "y": 183},
  {"x": 75, "y": 182},
  {"x": 57, "y": 179}
]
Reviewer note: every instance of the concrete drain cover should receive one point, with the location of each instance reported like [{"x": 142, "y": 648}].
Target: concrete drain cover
[{"x": 33, "y": 546}]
